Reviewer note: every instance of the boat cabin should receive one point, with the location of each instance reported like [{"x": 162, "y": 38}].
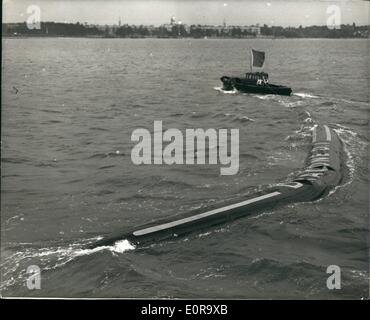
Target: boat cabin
[{"x": 258, "y": 78}]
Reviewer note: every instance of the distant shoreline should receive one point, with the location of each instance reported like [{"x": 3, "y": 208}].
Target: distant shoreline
[
  {"x": 179, "y": 38},
  {"x": 182, "y": 31}
]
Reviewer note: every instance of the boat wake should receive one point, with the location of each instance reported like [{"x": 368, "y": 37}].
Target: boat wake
[
  {"x": 52, "y": 258},
  {"x": 351, "y": 144},
  {"x": 264, "y": 97},
  {"x": 305, "y": 95},
  {"x": 219, "y": 89}
]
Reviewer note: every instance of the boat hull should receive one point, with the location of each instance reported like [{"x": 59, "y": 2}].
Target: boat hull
[{"x": 242, "y": 85}]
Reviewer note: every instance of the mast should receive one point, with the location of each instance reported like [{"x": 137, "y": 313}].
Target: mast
[{"x": 251, "y": 61}]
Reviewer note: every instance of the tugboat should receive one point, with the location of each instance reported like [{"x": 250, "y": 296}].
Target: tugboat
[{"x": 255, "y": 82}]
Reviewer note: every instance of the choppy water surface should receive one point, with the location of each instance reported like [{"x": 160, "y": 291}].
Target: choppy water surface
[{"x": 69, "y": 108}]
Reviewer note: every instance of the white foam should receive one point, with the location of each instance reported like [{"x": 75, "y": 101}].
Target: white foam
[
  {"x": 219, "y": 89},
  {"x": 265, "y": 97},
  {"x": 73, "y": 252},
  {"x": 245, "y": 118},
  {"x": 122, "y": 246},
  {"x": 289, "y": 104},
  {"x": 305, "y": 95},
  {"x": 347, "y": 136},
  {"x": 54, "y": 257},
  {"x": 350, "y": 163},
  {"x": 204, "y": 234},
  {"x": 118, "y": 247}
]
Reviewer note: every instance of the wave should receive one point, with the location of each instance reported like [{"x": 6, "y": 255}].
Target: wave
[
  {"x": 116, "y": 153},
  {"x": 98, "y": 129},
  {"x": 291, "y": 104},
  {"x": 243, "y": 119},
  {"x": 219, "y": 89},
  {"x": 287, "y": 102},
  {"x": 328, "y": 104},
  {"x": 349, "y": 139},
  {"x": 305, "y": 95},
  {"x": 15, "y": 160},
  {"x": 199, "y": 114},
  {"x": 249, "y": 156},
  {"x": 350, "y": 147},
  {"x": 51, "y": 258},
  {"x": 235, "y": 117},
  {"x": 304, "y": 131},
  {"x": 107, "y": 167},
  {"x": 264, "y": 97}
]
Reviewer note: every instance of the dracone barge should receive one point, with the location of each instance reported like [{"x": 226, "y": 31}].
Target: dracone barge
[{"x": 323, "y": 171}]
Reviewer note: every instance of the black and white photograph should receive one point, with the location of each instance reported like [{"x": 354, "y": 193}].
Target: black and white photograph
[{"x": 184, "y": 149}]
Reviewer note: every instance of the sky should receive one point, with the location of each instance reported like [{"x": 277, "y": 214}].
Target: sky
[{"x": 212, "y": 12}]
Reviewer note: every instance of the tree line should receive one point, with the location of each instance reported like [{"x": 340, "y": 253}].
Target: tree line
[{"x": 177, "y": 31}]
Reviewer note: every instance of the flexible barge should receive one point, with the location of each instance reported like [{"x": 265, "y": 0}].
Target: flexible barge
[{"x": 321, "y": 174}]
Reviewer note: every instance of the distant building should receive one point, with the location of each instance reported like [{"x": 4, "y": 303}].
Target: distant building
[
  {"x": 167, "y": 26},
  {"x": 252, "y": 29},
  {"x": 173, "y": 23},
  {"x": 224, "y": 29},
  {"x": 151, "y": 28}
]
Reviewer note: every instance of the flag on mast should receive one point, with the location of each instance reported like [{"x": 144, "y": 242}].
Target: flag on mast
[{"x": 258, "y": 58}]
